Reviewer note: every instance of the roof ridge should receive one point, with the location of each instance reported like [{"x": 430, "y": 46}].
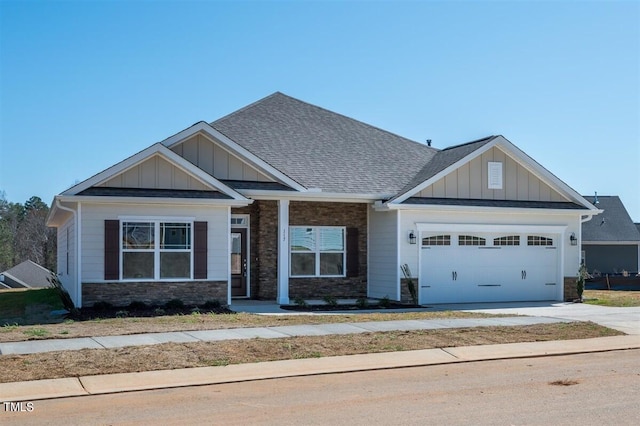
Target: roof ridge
[
  {"x": 328, "y": 111},
  {"x": 246, "y": 107}
]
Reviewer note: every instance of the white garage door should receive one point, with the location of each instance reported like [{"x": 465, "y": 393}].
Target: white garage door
[{"x": 488, "y": 267}]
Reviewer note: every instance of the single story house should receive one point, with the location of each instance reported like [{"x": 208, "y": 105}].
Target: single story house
[
  {"x": 611, "y": 242},
  {"x": 283, "y": 200},
  {"x": 27, "y": 274}
]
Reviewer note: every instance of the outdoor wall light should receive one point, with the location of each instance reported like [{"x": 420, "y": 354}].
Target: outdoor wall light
[
  {"x": 412, "y": 237},
  {"x": 573, "y": 239}
]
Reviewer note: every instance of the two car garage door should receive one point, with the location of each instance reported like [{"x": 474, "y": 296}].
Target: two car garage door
[{"x": 488, "y": 267}]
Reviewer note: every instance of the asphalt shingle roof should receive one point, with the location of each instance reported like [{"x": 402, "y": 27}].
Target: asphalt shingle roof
[
  {"x": 152, "y": 193},
  {"x": 613, "y": 225},
  {"x": 322, "y": 149},
  {"x": 29, "y": 273}
]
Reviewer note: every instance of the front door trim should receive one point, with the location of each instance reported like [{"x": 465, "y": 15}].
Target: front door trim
[{"x": 240, "y": 222}]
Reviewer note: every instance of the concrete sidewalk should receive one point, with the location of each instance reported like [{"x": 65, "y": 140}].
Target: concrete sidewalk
[
  {"x": 106, "y": 342},
  {"x": 127, "y": 382}
]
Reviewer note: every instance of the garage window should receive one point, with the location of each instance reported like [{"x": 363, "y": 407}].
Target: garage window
[
  {"x": 537, "y": 240},
  {"x": 508, "y": 240},
  {"x": 437, "y": 240},
  {"x": 470, "y": 240}
]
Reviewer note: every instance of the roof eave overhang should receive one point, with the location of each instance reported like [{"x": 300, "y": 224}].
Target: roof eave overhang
[
  {"x": 479, "y": 209},
  {"x": 312, "y": 196},
  {"x": 611, "y": 243},
  {"x": 155, "y": 200},
  {"x": 525, "y": 160}
]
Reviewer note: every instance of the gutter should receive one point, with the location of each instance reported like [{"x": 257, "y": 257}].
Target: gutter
[{"x": 76, "y": 215}]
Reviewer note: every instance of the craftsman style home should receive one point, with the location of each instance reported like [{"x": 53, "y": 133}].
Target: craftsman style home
[{"x": 283, "y": 199}]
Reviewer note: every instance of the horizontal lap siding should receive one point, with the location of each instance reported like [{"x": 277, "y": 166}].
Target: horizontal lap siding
[
  {"x": 383, "y": 254},
  {"x": 93, "y": 217},
  {"x": 67, "y": 277}
]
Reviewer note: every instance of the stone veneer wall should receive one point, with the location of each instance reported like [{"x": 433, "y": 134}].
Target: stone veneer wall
[
  {"x": 405, "y": 296},
  {"x": 263, "y": 248},
  {"x": 570, "y": 289},
  {"x": 331, "y": 214},
  {"x": 123, "y": 293}
]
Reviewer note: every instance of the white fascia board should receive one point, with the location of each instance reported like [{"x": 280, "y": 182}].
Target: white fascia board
[
  {"x": 156, "y": 200},
  {"x": 170, "y": 156},
  {"x": 525, "y": 160},
  {"x": 310, "y": 196},
  {"x": 234, "y": 148},
  {"x": 542, "y": 173},
  {"x": 443, "y": 173},
  {"x": 479, "y": 209},
  {"x": 611, "y": 243}
]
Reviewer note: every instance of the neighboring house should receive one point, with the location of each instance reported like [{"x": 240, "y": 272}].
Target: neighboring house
[
  {"x": 282, "y": 200},
  {"x": 27, "y": 274},
  {"x": 611, "y": 242}
]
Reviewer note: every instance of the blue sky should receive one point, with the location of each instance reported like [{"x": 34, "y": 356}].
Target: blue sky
[{"x": 84, "y": 85}]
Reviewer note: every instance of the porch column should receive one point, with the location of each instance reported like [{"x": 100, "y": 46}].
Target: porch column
[{"x": 283, "y": 252}]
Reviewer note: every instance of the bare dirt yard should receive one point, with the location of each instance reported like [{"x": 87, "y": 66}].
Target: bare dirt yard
[{"x": 174, "y": 355}]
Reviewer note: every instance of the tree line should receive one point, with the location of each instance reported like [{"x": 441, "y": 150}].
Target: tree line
[{"x": 24, "y": 234}]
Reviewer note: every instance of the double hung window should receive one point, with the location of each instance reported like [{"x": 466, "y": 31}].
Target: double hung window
[
  {"x": 156, "y": 250},
  {"x": 317, "y": 251}
]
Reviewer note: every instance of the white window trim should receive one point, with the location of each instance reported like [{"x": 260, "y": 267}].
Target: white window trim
[
  {"x": 156, "y": 250},
  {"x": 317, "y": 252}
]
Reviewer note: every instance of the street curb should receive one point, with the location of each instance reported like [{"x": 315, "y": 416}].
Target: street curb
[{"x": 198, "y": 376}]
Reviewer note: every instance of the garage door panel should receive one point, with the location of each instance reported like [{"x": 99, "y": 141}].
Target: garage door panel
[{"x": 513, "y": 271}]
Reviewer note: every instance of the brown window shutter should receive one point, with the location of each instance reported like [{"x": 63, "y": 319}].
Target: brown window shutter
[
  {"x": 353, "y": 253},
  {"x": 199, "y": 250},
  {"x": 111, "y": 249}
]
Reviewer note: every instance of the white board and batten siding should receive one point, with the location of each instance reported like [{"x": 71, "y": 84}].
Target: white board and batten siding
[
  {"x": 217, "y": 161},
  {"x": 469, "y": 181},
  {"x": 94, "y": 215},
  {"x": 383, "y": 280},
  {"x": 155, "y": 173}
]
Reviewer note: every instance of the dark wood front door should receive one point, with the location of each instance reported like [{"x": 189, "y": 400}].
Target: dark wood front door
[{"x": 239, "y": 264}]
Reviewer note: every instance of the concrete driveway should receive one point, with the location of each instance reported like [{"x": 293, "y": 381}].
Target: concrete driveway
[{"x": 626, "y": 320}]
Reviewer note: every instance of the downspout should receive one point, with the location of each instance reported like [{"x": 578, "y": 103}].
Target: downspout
[{"x": 78, "y": 260}]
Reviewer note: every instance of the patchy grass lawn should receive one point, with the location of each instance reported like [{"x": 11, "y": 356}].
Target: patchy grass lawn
[
  {"x": 198, "y": 321},
  {"x": 616, "y": 298},
  {"x": 51, "y": 365},
  {"x": 29, "y": 306}
]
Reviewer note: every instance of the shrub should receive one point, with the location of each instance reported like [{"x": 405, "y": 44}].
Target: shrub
[
  {"x": 362, "y": 302},
  {"x": 122, "y": 314},
  {"x": 159, "y": 311},
  {"x": 330, "y": 300},
  {"x": 300, "y": 302},
  {"x": 137, "y": 305},
  {"x": 212, "y": 304},
  {"x": 174, "y": 304},
  {"x": 385, "y": 302}
]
